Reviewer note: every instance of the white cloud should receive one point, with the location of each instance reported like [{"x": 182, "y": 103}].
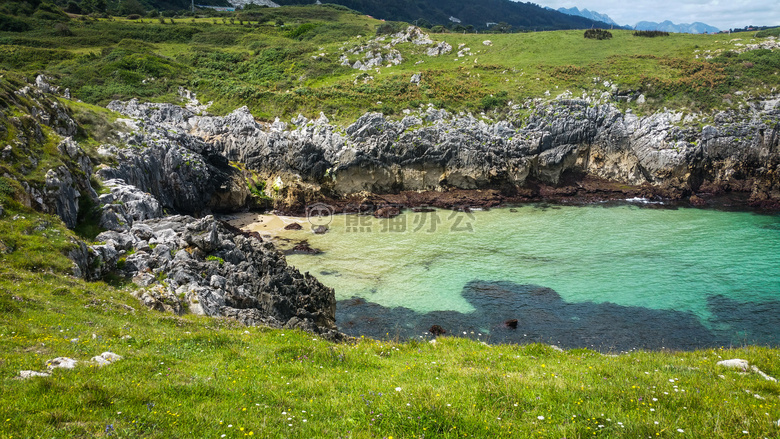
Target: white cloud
[{"x": 723, "y": 14}]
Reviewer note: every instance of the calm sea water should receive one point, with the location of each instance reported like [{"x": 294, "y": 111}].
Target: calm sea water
[{"x": 605, "y": 277}]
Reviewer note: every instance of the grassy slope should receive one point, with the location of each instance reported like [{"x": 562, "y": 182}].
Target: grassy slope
[
  {"x": 195, "y": 377},
  {"x": 272, "y": 69}
]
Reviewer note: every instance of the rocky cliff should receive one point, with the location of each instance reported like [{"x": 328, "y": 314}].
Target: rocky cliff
[
  {"x": 184, "y": 264},
  {"x": 204, "y": 266},
  {"x": 547, "y": 144},
  {"x": 179, "y": 263},
  {"x": 39, "y": 151}
]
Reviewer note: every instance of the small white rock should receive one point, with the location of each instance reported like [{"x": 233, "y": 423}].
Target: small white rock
[
  {"x": 106, "y": 358},
  {"x": 24, "y": 374},
  {"x": 734, "y": 363},
  {"x": 61, "y": 362}
]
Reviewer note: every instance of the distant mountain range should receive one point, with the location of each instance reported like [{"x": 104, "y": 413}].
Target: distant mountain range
[
  {"x": 479, "y": 14},
  {"x": 668, "y": 26},
  {"x": 592, "y": 15}
]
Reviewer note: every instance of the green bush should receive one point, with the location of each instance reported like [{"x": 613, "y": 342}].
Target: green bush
[
  {"x": 390, "y": 27},
  {"x": 62, "y": 30},
  {"x": 493, "y": 101},
  {"x": 50, "y": 12},
  {"x": 650, "y": 33},
  {"x": 598, "y": 34},
  {"x": 11, "y": 24},
  {"x": 6, "y": 188},
  {"x": 300, "y": 31}
]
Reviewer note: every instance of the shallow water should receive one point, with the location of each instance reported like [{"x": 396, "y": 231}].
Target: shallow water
[{"x": 608, "y": 277}]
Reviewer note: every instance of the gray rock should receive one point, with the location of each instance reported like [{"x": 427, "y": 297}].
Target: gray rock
[
  {"x": 382, "y": 156},
  {"x": 442, "y": 48},
  {"x": 180, "y": 171},
  {"x": 209, "y": 268},
  {"x": 120, "y": 241},
  {"x": 61, "y": 363},
  {"x": 744, "y": 366},
  {"x": 105, "y": 359},
  {"x": 25, "y": 374}
]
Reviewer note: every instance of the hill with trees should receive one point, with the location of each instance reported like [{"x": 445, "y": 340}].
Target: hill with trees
[{"x": 485, "y": 14}]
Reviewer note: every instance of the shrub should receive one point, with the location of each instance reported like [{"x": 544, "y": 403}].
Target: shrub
[
  {"x": 773, "y": 32},
  {"x": 62, "y": 30},
  {"x": 11, "y": 24},
  {"x": 650, "y": 33},
  {"x": 598, "y": 34},
  {"x": 389, "y": 28},
  {"x": 494, "y": 101},
  {"x": 48, "y": 11},
  {"x": 133, "y": 17},
  {"x": 300, "y": 31},
  {"x": 73, "y": 8}
]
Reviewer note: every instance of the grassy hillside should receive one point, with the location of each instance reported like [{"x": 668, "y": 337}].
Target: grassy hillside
[
  {"x": 519, "y": 16},
  {"x": 283, "y": 61}
]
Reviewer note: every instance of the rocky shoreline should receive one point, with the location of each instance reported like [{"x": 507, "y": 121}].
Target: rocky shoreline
[{"x": 173, "y": 168}]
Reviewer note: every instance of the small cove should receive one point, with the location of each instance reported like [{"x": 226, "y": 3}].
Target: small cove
[{"x": 609, "y": 277}]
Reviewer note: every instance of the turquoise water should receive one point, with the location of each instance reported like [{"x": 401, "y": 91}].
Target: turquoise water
[{"x": 704, "y": 267}]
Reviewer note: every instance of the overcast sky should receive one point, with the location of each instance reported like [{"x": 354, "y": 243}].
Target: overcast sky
[{"x": 723, "y": 14}]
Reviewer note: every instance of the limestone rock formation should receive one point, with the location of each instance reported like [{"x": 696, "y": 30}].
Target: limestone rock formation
[
  {"x": 435, "y": 150},
  {"x": 182, "y": 172},
  {"x": 206, "y": 267}
]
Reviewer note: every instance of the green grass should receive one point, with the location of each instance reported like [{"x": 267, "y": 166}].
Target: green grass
[
  {"x": 276, "y": 70},
  {"x": 195, "y": 376}
]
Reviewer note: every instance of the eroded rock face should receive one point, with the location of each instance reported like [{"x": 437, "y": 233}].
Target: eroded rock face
[
  {"x": 181, "y": 171},
  {"x": 435, "y": 150},
  {"x": 68, "y": 178},
  {"x": 206, "y": 267},
  {"x": 125, "y": 204}
]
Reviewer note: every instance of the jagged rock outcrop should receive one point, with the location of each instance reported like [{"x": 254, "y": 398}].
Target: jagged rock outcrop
[
  {"x": 435, "y": 150},
  {"x": 126, "y": 204},
  {"x": 181, "y": 263},
  {"x": 182, "y": 172},
  {"x": 207, "y": 267},
  {"x": 45, "y": 110},
  {"x": 380, "y": 51},
  {"x": 66, "y": 174}
]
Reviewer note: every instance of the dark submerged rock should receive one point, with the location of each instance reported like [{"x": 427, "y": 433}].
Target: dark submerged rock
[
  {"x": 437, "y": 330},
  {"x": 303, "y": 247}
]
